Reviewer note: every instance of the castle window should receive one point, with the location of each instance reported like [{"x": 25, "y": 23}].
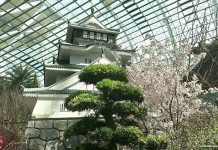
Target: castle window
[
  {"x": 110, "y": 41},
  {"x": 92, "y": 35},
  {"x": 105, "y": 37},
  {"x": 98, "y": 36},
  {"x": 86, "y": 60},
  {"x": 62, "y": 108},
  {"x": 85, "y": 34}
]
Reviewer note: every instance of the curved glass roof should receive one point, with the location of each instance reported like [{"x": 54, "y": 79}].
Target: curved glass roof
[{"x": 30, "y": 29}]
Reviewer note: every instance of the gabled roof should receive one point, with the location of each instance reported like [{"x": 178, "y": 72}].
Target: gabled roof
[
  {"x": 63, "y": 86},
  {"x": 66, "y": 48},
  {"x": 92, "y": 23}
]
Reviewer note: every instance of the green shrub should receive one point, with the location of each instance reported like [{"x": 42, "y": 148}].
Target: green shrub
[
  {"x": 83, "y": 102},
  {"x": 117, "y": 104},
  {"x": 212, "y": 47},
  {"x": 156, "y": 142},
  {"x": 127, "y": 122},
  {"x": 95, "y": 73},
  {"x": 118, "y": 91},
  {"x": 72, "y": 96},
  {"x": 83, "y": 126},
  {"x": 130, "y": 136},
  {"x": 128, "y": 108},
  {"x": 101, "y": 134}
]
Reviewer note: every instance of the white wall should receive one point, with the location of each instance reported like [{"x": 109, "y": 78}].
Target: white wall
[
  {"x": 61, "y": 76},
  {"x": 51, "y": 108},
  {"x": 80, "y": 59}
]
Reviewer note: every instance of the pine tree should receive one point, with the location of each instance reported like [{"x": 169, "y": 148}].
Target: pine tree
[{"x": 116, "y": 108}]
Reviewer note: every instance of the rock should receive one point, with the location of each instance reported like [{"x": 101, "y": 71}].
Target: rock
[
  {"x": 49, "y": 134},
  {"x": 71, "y": 143},
  {"x": 30, "y": 124},
  {"x": 71, "y": 122},
  {"x": 54, "y": 145},
  {"x": 43, "y": 124},
  {"x": 60, "y": 124},
  {"x": 61, "y": 135},
  {"x": 32, "y": 133},
  {"x": 37, "y": 144},
  {"x": 21, "y": 146}
]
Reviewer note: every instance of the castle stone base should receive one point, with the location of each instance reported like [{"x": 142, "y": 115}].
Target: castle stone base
[{"x": 48, "y": 134}]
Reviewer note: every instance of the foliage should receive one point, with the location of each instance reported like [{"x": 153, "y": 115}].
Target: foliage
[
  {"x": 128, "y": 108},
  {"x": 155, "y": 142},
  {"x": 72, "y": 96},
  {"x": 83, "y": 126},
  {"x": 13, "y": 117},
  {"x": 129, "y": 136},
  {"x": 206, "y": 70},
  {"x": 127, "y": 122},
  {"x": 115, "y": 105},
  {"x": 118, "y": 91},
  {"x": 101, "y": 134},
  {"x": 22, "y": 76},
  {"x": 212, "y": 47},
  {"x": 83, "y": 101},
  {"x": 196, "y": 130},
  {"x": 175, "y": 105},
  {"x": 14, "y": 112},
  {"x": 95, "y": 73}
]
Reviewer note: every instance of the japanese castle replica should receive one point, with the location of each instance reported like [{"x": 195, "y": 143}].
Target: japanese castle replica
[{"x": 87, "y": 42}]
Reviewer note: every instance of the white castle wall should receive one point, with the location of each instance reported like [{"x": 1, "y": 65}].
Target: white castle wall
[{"x": 81, "y": 59}]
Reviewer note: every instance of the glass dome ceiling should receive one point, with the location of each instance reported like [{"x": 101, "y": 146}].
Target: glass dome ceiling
[{"x": 30, "y": 29}]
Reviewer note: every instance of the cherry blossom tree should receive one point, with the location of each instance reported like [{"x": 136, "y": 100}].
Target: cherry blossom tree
[{"x": 160, "y": 72}]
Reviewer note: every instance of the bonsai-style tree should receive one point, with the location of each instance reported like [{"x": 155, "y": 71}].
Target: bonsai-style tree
[{"x": 116, "y": 108}]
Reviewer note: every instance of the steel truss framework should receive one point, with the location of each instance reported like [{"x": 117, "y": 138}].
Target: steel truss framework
[{"x": 30, "y": 29}]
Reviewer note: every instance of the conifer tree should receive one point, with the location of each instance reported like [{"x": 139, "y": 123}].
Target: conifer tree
[{"x": 116, "y": 108}]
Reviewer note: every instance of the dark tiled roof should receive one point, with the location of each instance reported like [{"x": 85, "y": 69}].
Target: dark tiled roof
[{"x": 66, "y": 66}]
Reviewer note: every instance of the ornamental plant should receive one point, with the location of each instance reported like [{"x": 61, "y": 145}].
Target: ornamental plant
[{"x": 116, "y": 111}]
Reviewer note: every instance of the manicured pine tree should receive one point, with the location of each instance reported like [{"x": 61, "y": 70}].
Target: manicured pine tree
[{"x": 116, "y": 108}]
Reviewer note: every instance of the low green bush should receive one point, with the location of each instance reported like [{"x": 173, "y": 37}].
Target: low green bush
[
  {"x": 72, "y": 96},
  {"x": 83, "y": 126},
  {"x": 156, "y": 142},
  {"x": 131, "y": 136},
  {"x": 129, "y": 108},
  {"x": 95, "y": 73},
  {"x": 101, "y": 134},
  {"x": 83, "y": 102},
  {"x": 118, "y": 91}
]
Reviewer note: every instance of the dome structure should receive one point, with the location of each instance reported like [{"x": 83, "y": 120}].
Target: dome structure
[{"x": 30, "y": 30}]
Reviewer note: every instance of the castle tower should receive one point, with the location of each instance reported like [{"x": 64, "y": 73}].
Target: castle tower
[{"x": 87, "y": 42}]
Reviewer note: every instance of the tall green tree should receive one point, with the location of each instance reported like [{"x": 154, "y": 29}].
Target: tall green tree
[
  {"x": 14, "y": 111},
  {"x": 116, "y": 108},
  {"x": 22, "y": 76}
]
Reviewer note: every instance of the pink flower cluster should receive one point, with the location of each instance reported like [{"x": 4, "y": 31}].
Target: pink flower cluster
[{"x": 1, "y": 142}]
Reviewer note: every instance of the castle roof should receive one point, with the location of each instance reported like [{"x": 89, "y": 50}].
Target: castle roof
[{"x": 66, "y": 67}]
